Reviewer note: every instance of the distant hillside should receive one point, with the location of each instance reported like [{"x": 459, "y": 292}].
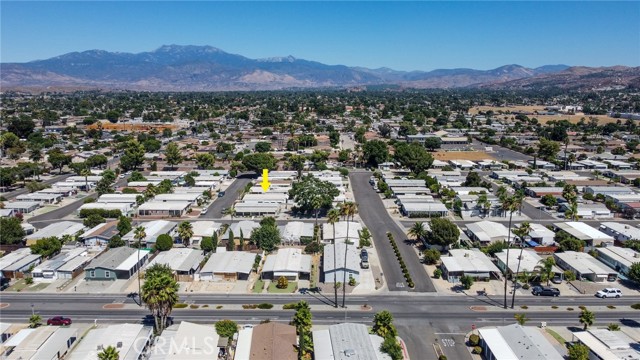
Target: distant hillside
[{"x": 206, "y": 68}]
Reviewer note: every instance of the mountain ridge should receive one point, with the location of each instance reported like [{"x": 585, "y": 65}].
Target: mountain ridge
[{"x": 207, "y": 68}]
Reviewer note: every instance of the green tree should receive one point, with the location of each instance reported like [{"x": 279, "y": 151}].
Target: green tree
[
  {"x": 523, "y": 230},
  {"x": 266, "y": 237},
  {"x": 259, "y": 161},
  {"x": 578, "y": 351},
  {"x": 443, "y": 232},
  {"x": 432, "y": 143},
  {"x": 431, "y": 256},
  {"x": 634, "y": 272},
  {"x": 413, "y": 156},
  {"x": 263, "y": 147},
  {"x": 58, "y": 159},
  {"x": 172, "y": 155},
  {"x": 12, "y": 231},
  {"x": 613, "y": 327},
  {"x": 313, "y": 194},
  {"x": 375, "y": 152},
  {"x": 185, "y": 232},
  {"x": 231, "y": 241},
  {"x": 164, "y": 242},
  {"x": 124, "y": 225},
  {"x": 226, "y": 328},
  {"x": 296, "y": 162},
  {"x": 35, "y": 320},
  {"x": 549, "y": 200},
  {"x": 567, "y": 242},
  {"x": 383, "y": 325},
  {"x": 472, "y": 180},
  {"x": 160, "y": 294},
  {"x": 116, "y": 242},
  {"x": 545, "y": 269},
  {"x": 283, "y": 283},
  {"x": 207, "y": 243},
  {"x": 205, "y": 161},
  {"x": 133, "y": 156},
  {"x": 22, "y": 127},
  {"x": 587, "y": 318},
  {"x": 93, "y": 220},
  {"x": 46, "y": 247},
  {"x": 548, "y": 149},
  {"x": 109, "y": 353}
]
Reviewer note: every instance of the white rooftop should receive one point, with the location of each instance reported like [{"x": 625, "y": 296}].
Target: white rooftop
[
  {"x": 287, "y": 260},
  {"x": 129, "y": 336},
  {"x": 353, "y": 257},
  {"x": 469, "y": 261},
  {"x": 584, "y": 263},
  {"x": 341, "y": 230},
  {"x": 229, "y": 262},
  {"x": 583, "y": 231},
  {"x": 179, "y": 259},
  {"x": 488, "y": 230}
]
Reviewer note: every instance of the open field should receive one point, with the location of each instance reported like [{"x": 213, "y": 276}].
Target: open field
[
  {"x": 602, "y": 119},
  {"x": 462, "y": 155}
]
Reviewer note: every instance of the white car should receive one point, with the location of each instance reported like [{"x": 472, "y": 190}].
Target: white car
[{"x": 609, "y": 293}]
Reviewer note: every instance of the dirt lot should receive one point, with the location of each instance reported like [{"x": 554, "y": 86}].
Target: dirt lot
[
  {"x": 462, "y": 155},
  {"x": 603, "y": 119}
]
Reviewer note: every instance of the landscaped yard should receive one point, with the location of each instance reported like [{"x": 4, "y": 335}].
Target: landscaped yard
[
  {"x": 290, "y": 288},
  {"x": 556, "y": 336},
  {"x": 258, "y": 286}
]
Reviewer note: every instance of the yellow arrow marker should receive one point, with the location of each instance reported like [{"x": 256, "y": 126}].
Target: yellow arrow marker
[{"x": 265, "y": 180}]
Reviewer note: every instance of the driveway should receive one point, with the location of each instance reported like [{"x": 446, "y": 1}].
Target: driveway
[{"x": 378, "y": 221}]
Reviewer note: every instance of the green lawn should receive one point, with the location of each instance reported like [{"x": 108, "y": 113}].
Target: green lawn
[
  {"x": 37, "y": 287},
  {"x": 258, "y": 286},
  {"x": 556, "y": 336},
  {"x": 290, "y": 288}
]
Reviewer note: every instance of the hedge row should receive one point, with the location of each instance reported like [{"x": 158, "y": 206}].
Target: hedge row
[
  {"x": 107, "y": 214},
  {"x": 405, "y": 271}
]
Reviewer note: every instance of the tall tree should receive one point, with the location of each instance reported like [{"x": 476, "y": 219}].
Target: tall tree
[
  {"x": 133, "y": 156},
  {"x": 510, "y": 204},
  {"x": 347, "y": 209},
  {"x": 545, "y": 269},
  {"x": 587, "y": 318},
  {"x": 417, "y": 231},
  {"x": 160, "y": 293},
  {"x": 185, "y": 232},
  {"x": 172, "y": 155},
  {"x": 58, "y": 159},
  {"x": 124, "y": 225},
  {"x": 375, "y": 152},
  {"x": 383, "y": 325},
  {"x": 313, "y": 194},
  {"x": 333, "y": 216},
  {"x": 139, "y": 235},
  {"x": 523, "y": 230},
  {"x": 302, "y": 322},
  {"x": 443, "y": 232}
]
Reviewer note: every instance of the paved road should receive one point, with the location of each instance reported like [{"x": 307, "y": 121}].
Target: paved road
[
  {"x": 227, "y": 201},
  {"x": 378, "y": 221},
  {"x": 55, "y": 179},
  {"x": 45, "y": 219},
  {"x": 422, "y": 319}
]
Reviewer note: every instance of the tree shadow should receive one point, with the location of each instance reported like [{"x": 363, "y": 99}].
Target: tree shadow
[{"x": 318, "y": 295}]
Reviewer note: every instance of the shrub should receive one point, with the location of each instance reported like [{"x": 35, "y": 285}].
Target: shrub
[
  {"x": 28, "y": 280},
  {"x": 226, "y": 328},
  {"x": 554, "y": 306},
  {"x": 108, "y": 214},
  {"x": 474, "y": 340},
  {"x": 205, "y": 305},
  {"x": 352, "y": 281},
  {"x": 290, "y": 306},
  {"x": 569, "y": 275},
  {"x": 249, "y": 306},
  {"x": 411, "y": 284},
  {"x": 265, "y": 306},
  {"x": 526, "y": 286},
  {"x": 442, "y": 357},
  {"x": 466, "y": 281},
  {"x": 569, "y": 309},
  {"x": 282, "y": 282},
  {"x": 194, "y": 306},
  {"x": 636, "y": 306},
  {"x": 611, "y": 307},
  {"x": 524, "y": 307},
  {"x": 431, "y": 256},
  {"x": 219, "y": 307},
  {"x": 581, "y": 307},
  {"x": 477, "y": 350},
  {"x": 437, "y": 273},
  {"x": 180, "y": 306}
]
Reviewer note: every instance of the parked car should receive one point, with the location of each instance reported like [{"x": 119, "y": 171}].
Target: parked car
[
  {"x": 221, "y": 194},
  {"x": 364, "y": 254},
  {"x": 556, "y": 280},
  {"x": 609, "y": 293},
  {"x": 545, "y": 291},
  {"x": 59, "y": 320}
]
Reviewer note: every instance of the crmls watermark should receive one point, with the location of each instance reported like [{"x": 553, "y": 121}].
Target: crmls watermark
[{"x": 185, "y": 346}]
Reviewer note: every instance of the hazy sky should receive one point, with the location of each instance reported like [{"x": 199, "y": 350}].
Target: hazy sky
[{"x": 400, "y": 35}]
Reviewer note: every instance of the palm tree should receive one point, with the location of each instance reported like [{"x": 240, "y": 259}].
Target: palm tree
[
  {"x": 546, "y": 269},
  {"x": 510, "y": 204},
  {"x": 160, "y": 294},
  {"x": 35, "y": 320},
  {"x": 333, "y": 216},
  {"x": 185, "y": 232},
  {"x": 501, "y": 192},
  {"x": 522, "y": 231},
  {"x": 35, "y": 155},
  {"x": 85, "y": 172},
  {"x": 417, "y": 231},
  {"x": 139, "y": 234},
  {"x": 109, "y": 353},
  {"x": 230, "y": 211},
  {"x": 587, "y": 318},
  {"x": 483, "y": 203},
  {"x": 347, "y": 209}
]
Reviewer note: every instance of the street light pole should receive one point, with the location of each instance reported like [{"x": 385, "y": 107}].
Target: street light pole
[{"x": 32, "y": 310}]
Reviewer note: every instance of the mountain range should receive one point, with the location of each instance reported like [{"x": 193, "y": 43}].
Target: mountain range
[{"x": 206, "y": 68}]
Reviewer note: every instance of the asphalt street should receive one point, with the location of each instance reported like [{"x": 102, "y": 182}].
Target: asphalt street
[
  {"x": 378, "y": 221},
  {"x": 423, "y": 320},
  {"x": 55, "y": 179},
  {"x": 227, "y": 201}
]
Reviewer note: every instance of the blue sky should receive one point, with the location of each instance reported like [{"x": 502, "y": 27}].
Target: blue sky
[{"x": 399, "y": 35}]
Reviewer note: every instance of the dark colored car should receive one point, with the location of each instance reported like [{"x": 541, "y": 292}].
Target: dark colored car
[
  {"x": 364, "y": 254},
  {"x": 545, "y": 291},
  {"x": 59, "y": 320},
  {"x": 221, "y": 194}
]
